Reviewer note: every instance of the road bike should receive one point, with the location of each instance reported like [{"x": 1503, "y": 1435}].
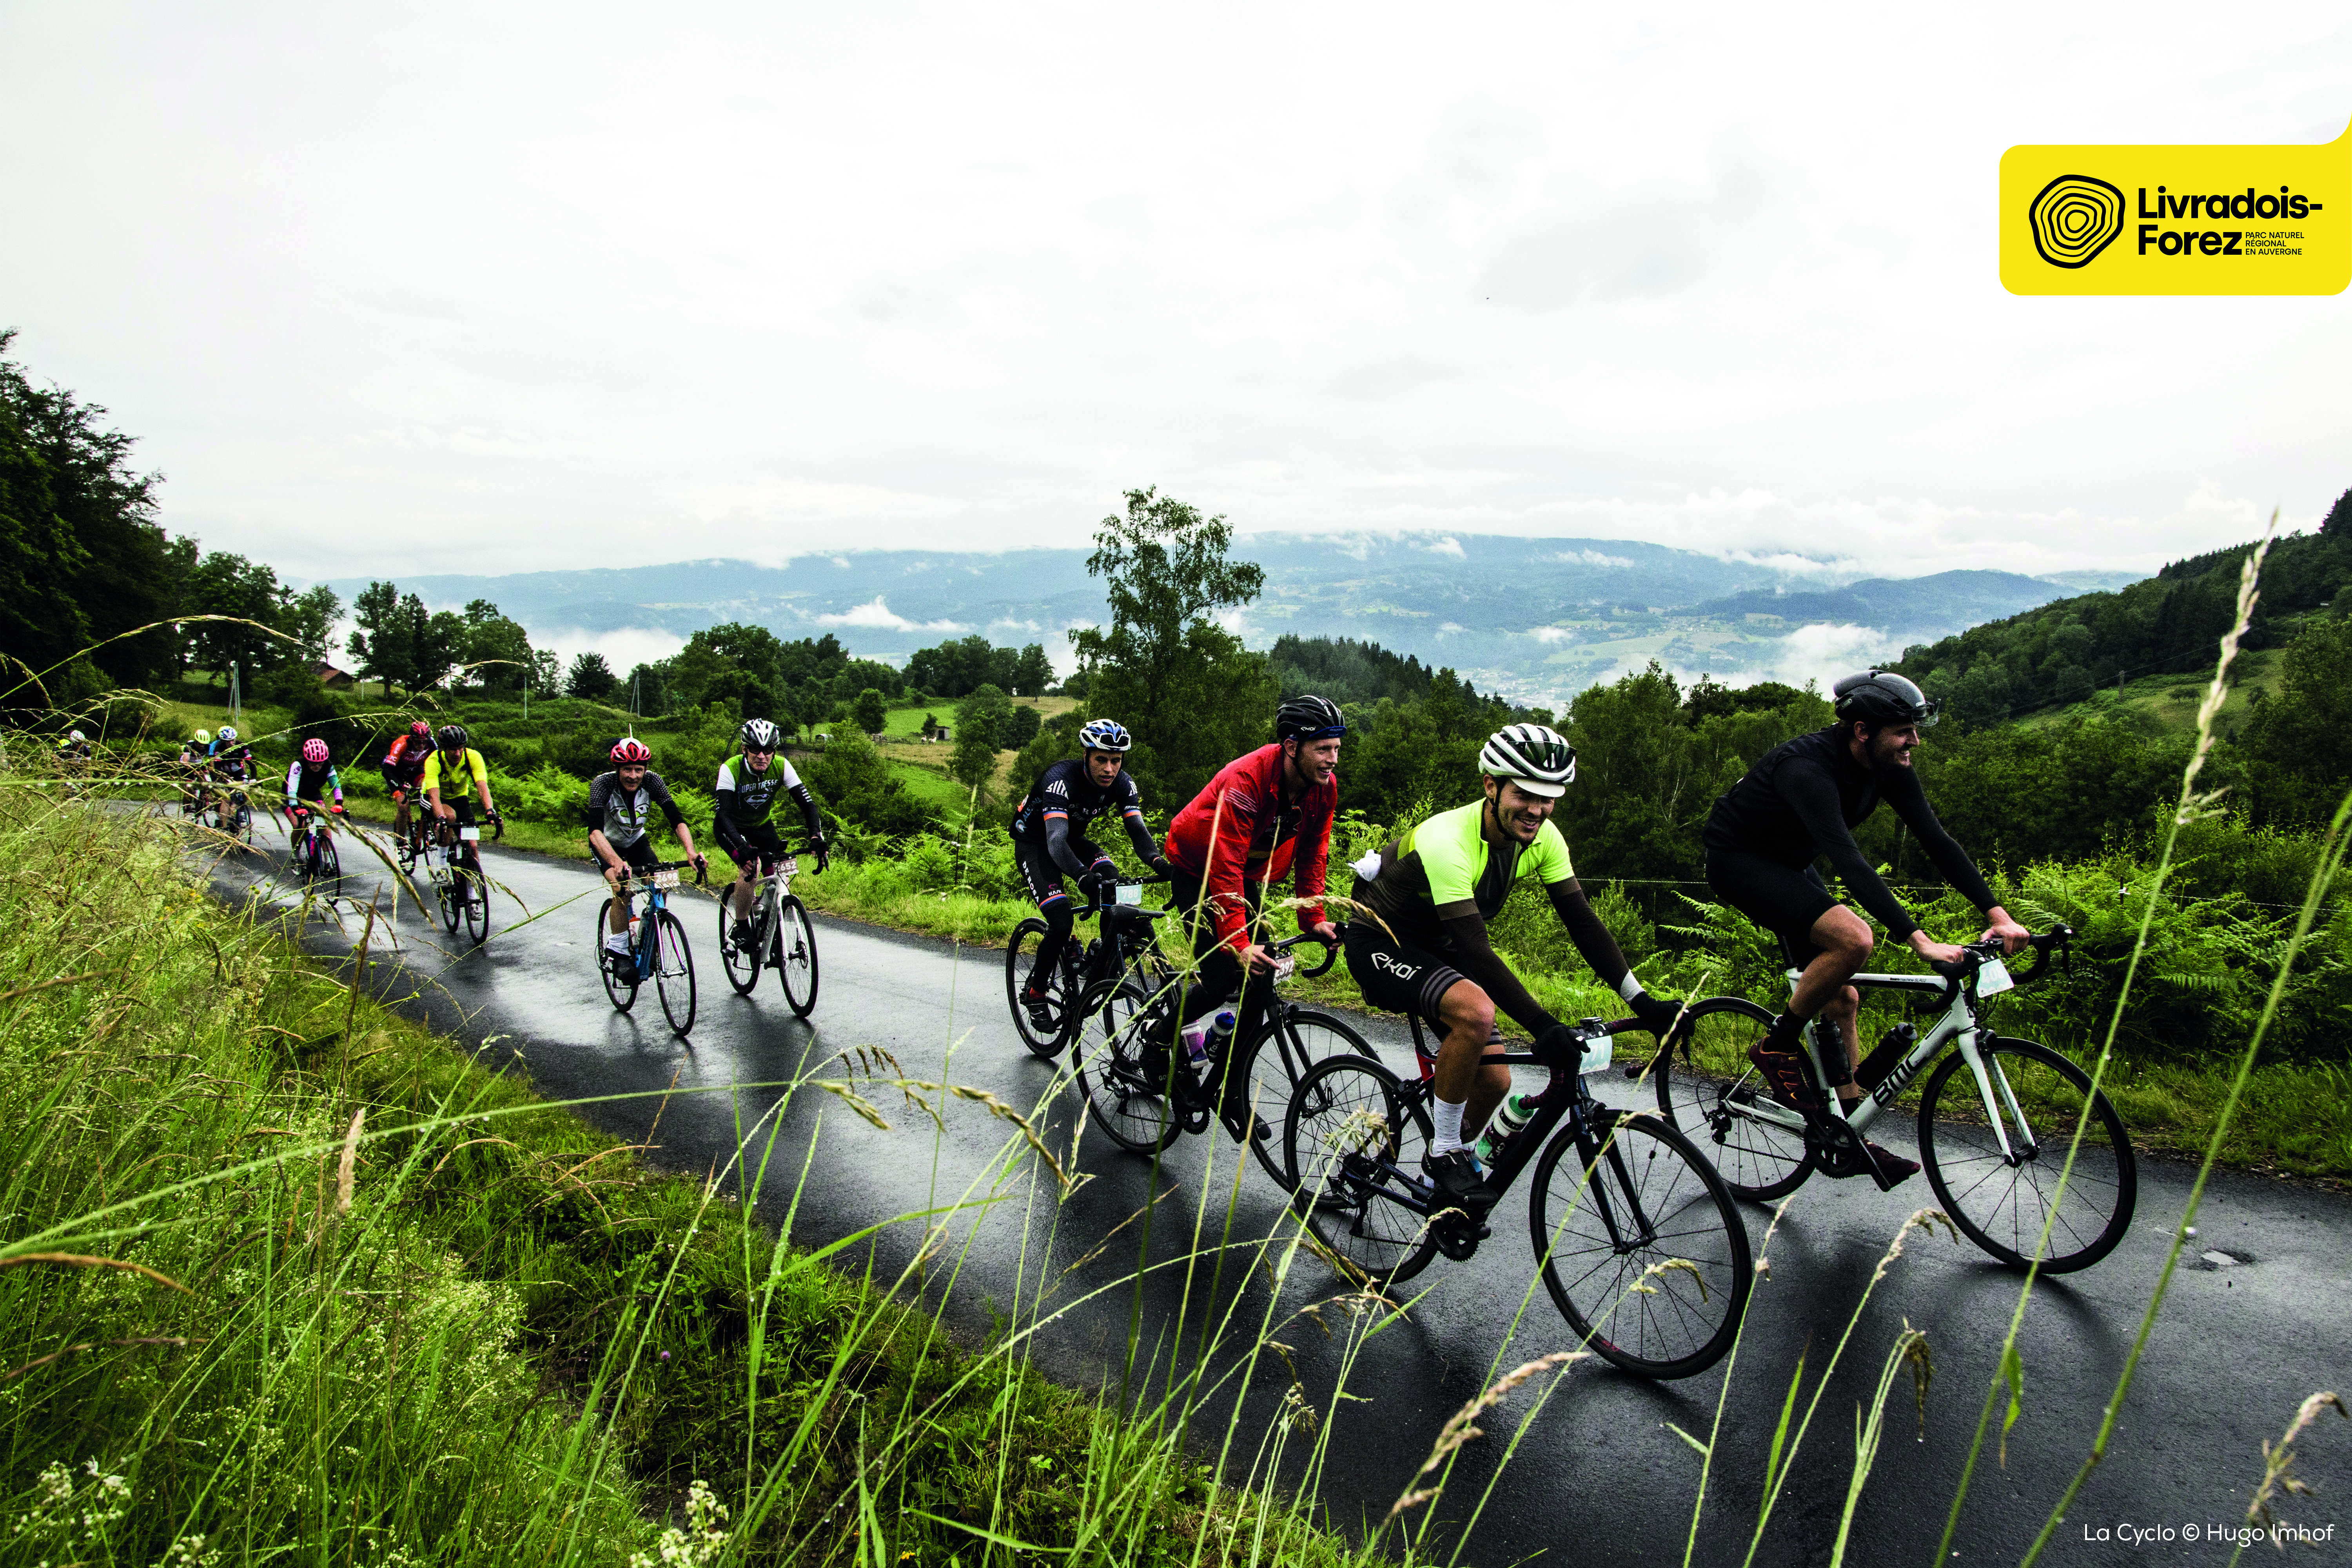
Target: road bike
[
  {"x": 1994, "y": 1170},
  {"x": 1140, "y": 1087},
  {"x": 657, "y": 950},
  {"x": 782, "y": 937},
  {"x": 1639, "y": 1242},
  {"x": 1130, "y": 942},
  {"x": 314, "y": 852},
  {"x": 460, "y": 889}
]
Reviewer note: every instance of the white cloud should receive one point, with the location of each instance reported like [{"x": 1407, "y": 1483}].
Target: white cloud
[
  {"x": 1823, "y": 653},
  {"x": 1446, "y": 547},
  {"x": 1552, "y": 634},
  {"x": 879, "y": 616},
  {"x": 1007, "y": 624},
  {"x": 1593, "y": 558},
  {"x": 623, "y": 649},
  {"x": 1447, "y": 628}
]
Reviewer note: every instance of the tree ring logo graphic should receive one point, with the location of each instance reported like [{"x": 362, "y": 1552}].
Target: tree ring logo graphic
[{"x": 2075, "y": 217}]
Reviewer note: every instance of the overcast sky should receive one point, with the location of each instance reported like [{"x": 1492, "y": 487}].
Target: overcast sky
[{"x": 437, "y": 287}]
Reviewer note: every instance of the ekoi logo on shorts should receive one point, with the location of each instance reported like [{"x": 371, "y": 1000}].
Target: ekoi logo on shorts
[{"x": 1382, "y": 962}]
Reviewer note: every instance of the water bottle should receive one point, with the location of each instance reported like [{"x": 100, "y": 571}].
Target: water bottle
[
  {"x": 1204, "y": 1038},
  {"x": 1515, "y": 1111}
]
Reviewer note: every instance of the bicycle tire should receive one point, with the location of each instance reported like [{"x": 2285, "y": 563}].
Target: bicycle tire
[
  {"x": 1704, "y": 1077},
  {"x": 742, "y": 963},
  {"x": 331, "y": 864},
  {"x": 794, "y": 955},
  {"x": 445, "y": 888},
  {"x": 620, "y": 989},
  {"x": 1122, "y": 1079},
  {"x": 673, "y": 971},
  {"x": 1964, "y": 1164},
  {"x": 1020, "y": 957},
  {"x": 1302, "y": 1039},
  {"x": 1672, "y": 1305},
  {"x": 1349, "y": 1132},
  {"x": 477, "y": 906}
]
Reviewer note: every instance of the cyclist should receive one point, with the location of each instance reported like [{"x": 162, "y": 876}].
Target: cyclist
[
  {"x": 194, "y": 752},
  {"x": 1049, "y": 838},
  {"x": 748, "y": 783},
  {"x": 1803, "y": 800},
  {"x": 446, "y": 772},
  {"x": 230, "y": 759},
  {"x": 403, "y": 771},
  {"x": 1264, "y": 816},
  {"x": 309, "y": 778},
  {"x": 74, "y": 754},
  {"x": 1435, "y": 887},
  {"x": 620, "y": 804}
]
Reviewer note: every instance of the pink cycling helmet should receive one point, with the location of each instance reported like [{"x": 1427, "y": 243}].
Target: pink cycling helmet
[{"x": 314, "y": 751}]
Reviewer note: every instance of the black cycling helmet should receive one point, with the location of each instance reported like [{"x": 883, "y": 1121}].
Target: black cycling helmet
[
  {"x": 453, "y": 737},
  {"x": 1309, "y": 719},
  {"x": 1882, "y": 696}
]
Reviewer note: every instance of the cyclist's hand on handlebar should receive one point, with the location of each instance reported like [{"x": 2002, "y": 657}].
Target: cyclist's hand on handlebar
[
  {"x": 1942, "y": 954},
  {"x": 1161, "y": 868},
  {"x": 1658, "y": 1013},
  {"x": 1258, "y": 960},
  {"x": 2012, "y": 937},
  {"x": 1324, "y": 932},
  {"x": 824, "y": 854},
  {"x": 1559, "y": 1040}
]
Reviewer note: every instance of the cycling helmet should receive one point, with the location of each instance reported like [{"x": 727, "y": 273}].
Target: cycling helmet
[
  {"x": 228, "y": 734},
  {"x": 1532, "y": 756},
  {"x": 1105, "y": 735},
  {"x": 1882, "y": 696},
  {"x": 759, "y": 735},
  {"x": 204, "y": 737},
  {"x": 314, "y": 751},
  {"x": 77, "y": 737},
  {"x": 1309, "y": 719},
  {"x": 629, "y": 750},
  {"x": 421, "y": 730},
  {"x": 453, "y": 737}
]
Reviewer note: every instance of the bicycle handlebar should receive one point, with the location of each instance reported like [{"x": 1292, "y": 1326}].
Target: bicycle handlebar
[
  {"x": 1330, "y": 952},
  {"x": 2058, "y": 939}
]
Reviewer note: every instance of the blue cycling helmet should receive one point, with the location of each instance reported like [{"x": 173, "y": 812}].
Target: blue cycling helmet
[{"x": 1105, "y": 735}]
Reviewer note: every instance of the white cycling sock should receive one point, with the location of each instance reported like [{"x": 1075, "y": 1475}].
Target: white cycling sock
[{"x": 1449, "y": 1127}]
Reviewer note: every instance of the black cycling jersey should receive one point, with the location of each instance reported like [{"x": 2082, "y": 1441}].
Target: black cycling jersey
[
  {"x": 1066, "y": 800},
  {"x": 1805, "y": 798}
]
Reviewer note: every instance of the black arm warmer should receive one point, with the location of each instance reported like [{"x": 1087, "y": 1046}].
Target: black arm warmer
[
  {"x": 659, "y": 790},
  {"x": 724, "y": 801},
  {"x": 1813, "y": 794},
  {"x": 1909, "y": 800},
  {"x": 1146, "y": 848},
  {"x": 808, "y": 803},
  {"x": 1057, "y": 845},
  {"x": 1584, "y": 929},
  {"x": 1476, "y": 958}
]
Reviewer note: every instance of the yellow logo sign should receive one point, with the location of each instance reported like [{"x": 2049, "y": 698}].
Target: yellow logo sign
[{"x": 2176, "y": 220}]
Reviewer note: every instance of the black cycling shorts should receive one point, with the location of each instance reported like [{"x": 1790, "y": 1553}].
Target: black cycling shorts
[
  {"x": 1399, "y": 978},
  {"x": 1043, "y": 875},
  {"x": 750, "y": 842},
  {"x": 637, "y": 857},
  {"x": 1784, "y": 900}
]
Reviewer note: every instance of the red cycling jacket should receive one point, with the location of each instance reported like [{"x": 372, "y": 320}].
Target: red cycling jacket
[
  {"x": 1255, "y": 840},
  {"x": 403, "y": 760}
]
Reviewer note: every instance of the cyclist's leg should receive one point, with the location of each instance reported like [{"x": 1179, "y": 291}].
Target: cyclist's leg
[
  {"x": 1842, "y": 943},
  {"x": 1217, "y": 976},
  {"x": 1044, "y": 880},
  {"x": 1400, "y": 978},
  {"x": 747, "y": 866}
]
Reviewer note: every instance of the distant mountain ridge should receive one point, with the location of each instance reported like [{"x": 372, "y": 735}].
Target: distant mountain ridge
[{"x": 1527, "y": 616}]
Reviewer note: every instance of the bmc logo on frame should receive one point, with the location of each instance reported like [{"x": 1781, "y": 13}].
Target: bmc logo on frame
[{"x": 2176, "y": 220}]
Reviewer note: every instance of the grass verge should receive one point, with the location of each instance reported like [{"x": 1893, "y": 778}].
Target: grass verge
[{"x": 283, "y": 1270}]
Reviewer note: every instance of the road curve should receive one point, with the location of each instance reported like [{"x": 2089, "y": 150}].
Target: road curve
[{"x": 1599, "y": 1474}]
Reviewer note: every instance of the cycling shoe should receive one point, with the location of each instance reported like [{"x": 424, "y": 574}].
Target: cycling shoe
[
  {"x": 1784, "y": 1075},
  {"x": 1458, "y": 1180}
]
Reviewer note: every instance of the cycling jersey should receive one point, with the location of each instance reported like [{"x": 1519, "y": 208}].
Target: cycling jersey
[
  {"x": 403, "y": 760},
  {"x": 745, "y": 797},
  {"x": 622, "y": 813},
  {"x": 1804, "y": 799},
  {"x": 1446, "y": 869},
  {"x": 1067, "y": 790},
  {"x": 448, "y": 772},
  {"x": 305, "y": 783},
  {"x": 235, "y": 764},
  {"x": 1257, "y": 836}
]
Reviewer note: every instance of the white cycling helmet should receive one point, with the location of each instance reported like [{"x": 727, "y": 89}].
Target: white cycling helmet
[{"x": 1533, "y": 756}]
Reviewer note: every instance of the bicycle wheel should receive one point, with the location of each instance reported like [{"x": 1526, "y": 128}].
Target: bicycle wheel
[
  {"x": 673, "y": 971},
  {"x": 1122, "y": 1076},
  {"x": 622, "y": 989},
  {"x": 445, "y": 888},
  {"x": 1295, "y": 1041},
  {"x": 474, "y": 888},
  {"x": 794, "y": 955},
  {"x": 1643, "y": 1249},
  {"x": 742, "y": 963},
  {"x": 331, "y": 864},
  {"x": 1355, "y": 1143},
  {"x": 2001, "y": 1203},
  {"x": 1709, "y": 1089},
  {"x": 1020, "y": 959}
]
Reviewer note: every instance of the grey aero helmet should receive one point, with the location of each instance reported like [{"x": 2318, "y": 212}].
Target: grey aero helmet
[
  {"x": 1882, "y": 696},
  {"x": 1533, "y": 756}
]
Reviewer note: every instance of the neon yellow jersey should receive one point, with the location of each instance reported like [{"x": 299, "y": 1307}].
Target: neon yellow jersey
[
  {"x": 1444, "y": 869},
  {"x": 435, "y": 777}
]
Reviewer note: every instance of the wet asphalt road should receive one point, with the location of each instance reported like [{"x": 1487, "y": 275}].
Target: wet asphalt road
[{"x": 1598, "y": 1475}]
